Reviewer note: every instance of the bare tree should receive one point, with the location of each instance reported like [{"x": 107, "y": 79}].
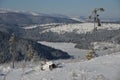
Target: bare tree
[{"x": 96, "y": 16}]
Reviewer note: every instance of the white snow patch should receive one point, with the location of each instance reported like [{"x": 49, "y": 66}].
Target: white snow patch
[
  {"x": 30, "y": 27},
  {"x": 49, "y": 25}
]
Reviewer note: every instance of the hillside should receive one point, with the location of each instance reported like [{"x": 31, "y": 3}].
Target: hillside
[
  {"x": 43, "y": 52},
  {"x": 101, "y": 68},
  {"x": 82, "y": 34}
]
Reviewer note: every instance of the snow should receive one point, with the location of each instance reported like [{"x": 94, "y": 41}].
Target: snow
[
  {"x": 101, "y": 48},
  {"x": 67, "y": 47},
  {"x": 104, "y": 48},
  {"x": 105, "y": 45},
  {"x": 104, "y": 67},
  {"x": 30, "y": 27},
  {"x": 81, "y": 28},
  {"x": 46, "y": 65},
  {"x": 78, "y": 28},
  {"x": 49, "y": 25},
  {"x": 100, "y": 68}
]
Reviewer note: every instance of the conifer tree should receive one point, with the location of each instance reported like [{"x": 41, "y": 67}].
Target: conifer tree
[
  {"x": 30, "y": 52},
  {"x": 12, "y": 48}
]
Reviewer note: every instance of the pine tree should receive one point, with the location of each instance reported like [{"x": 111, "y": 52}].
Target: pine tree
[
  {"x": 12, "y": 48},
  {"x": 30, "y": 52},
  {"x": 91, "y": 54}
]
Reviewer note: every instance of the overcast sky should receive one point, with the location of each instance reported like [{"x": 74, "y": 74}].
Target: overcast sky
[{"x": 67, "y": 7}]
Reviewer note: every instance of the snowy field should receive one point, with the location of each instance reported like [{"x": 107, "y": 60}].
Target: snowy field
[
  {"x": 67, "y": 47},
  {"x": 100, "y": 68}
]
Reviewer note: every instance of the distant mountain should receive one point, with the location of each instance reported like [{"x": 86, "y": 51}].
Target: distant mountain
[
  {"x": 21, "y": 18},
  {"x": 110, "y": 20},
  {"x": 59, "y": 16},
  {"x": 41, "y": 51},
  {"x": 80, "y": 18},
  {"x": 104, "y": 20}
]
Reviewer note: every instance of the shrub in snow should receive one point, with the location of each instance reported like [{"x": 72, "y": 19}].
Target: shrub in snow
[
  {"x": 91, "y": 55},
  {"x": 100, "y": 77},
  {"x": 74, "y": 74}
]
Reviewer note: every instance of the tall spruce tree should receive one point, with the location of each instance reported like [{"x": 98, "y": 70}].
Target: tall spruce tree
[
  {"x": 12, "y": 48},
  {"x": 30, "y": 52}
]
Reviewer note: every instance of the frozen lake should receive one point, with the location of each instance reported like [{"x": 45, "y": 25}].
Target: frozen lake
[{"x": 66, "y": 47}]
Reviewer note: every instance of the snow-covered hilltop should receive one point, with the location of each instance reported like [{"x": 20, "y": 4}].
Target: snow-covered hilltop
[
  {"x": 50, "y": 25},
  {"x": 80, "y": 28}
]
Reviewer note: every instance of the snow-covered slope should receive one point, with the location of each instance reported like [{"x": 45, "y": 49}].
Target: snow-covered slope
[
  {"x": 105, "y": 45},
  {"x": 50, "y": 25},
  {"x": 101, "y": 68},
  {"x": 67, "y": 47},
  {"x": 101, "y": 48},
  {"x": 81, "y": 28}
]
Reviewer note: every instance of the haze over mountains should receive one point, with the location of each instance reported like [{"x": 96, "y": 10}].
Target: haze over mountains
[
  {"x": 54, "y": 15},
  {"x": 24, "y": 18},
  {"x": 13, "y": 21}
]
